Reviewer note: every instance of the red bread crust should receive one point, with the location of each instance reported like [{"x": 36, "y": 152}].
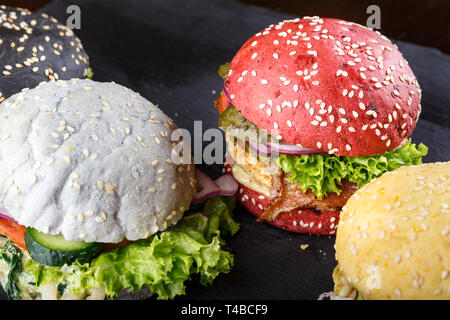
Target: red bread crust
[
  {"x": 336, "y": 107},
  {"x": 300, "y": 221}
]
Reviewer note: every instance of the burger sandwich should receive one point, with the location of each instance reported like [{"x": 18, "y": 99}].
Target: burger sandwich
[
  {"x": 93, "y": 201},
  {"x": 35, "y": 47},
  {"x": 312, "y": 110},
  {"x": 393, "y": 238}
]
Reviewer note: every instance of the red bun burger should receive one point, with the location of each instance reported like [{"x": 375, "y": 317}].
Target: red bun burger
[{"x": 312, "y": 110}]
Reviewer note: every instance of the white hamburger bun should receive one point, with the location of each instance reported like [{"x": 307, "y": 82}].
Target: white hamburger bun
[{"x": 90, "y": 161}]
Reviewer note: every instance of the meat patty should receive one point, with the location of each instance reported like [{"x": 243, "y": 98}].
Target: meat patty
[{"x": 286, "y": 196}]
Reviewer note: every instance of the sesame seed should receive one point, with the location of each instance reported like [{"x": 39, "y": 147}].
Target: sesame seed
[
  {"x": 438, "y": 291},
  {"x": 99, "y": 220},
  {"x": 100, "y": 185},
  {"x": 110, "y": 189}
]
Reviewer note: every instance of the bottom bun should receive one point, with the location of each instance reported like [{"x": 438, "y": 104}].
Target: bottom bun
[{"x": 297, "y": 220}]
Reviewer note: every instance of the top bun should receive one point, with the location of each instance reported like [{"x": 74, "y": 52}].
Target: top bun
[
  {"x": 91, "y": 161},
  {"x": 35, "y": 48},
  {"x": 393, "y": 237},
  {"x": 326, "y": 84}
]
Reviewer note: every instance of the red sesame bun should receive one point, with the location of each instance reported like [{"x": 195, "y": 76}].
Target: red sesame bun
[
  {"x": 300, "y": 221},
  {"x": 326, "y": 84}
]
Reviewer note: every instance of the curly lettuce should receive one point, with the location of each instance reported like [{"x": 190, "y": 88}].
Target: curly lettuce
[
  {"x": 90, "y": 73},
  {"x": 163, "y": 262},
  {"x": 323, "y": 174}
]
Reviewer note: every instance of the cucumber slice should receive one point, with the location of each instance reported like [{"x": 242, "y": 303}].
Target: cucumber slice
[{"x": 54, "y": 250}]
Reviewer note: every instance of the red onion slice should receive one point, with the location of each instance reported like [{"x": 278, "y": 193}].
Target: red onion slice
[
  {"x": 206, "y": 187},
  {"x": 227, "y": 184},
  {"x": 4, "y": 215},
  {"x": 260, "y": 149},
  {"x": 267, "y": 149},
  {"x": 225, "y": 91},
  {"x": 291, "y": 149}
]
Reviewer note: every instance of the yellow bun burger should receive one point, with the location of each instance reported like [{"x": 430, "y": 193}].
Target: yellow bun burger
[{"x": 393, "y": 237}]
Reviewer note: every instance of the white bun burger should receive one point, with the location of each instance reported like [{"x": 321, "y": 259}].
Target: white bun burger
[
  {"x": 393, "y": 238},
  {"x": 86, "y": 167}
]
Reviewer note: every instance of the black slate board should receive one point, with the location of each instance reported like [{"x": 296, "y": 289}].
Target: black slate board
[{"x": 169, "y": 51}]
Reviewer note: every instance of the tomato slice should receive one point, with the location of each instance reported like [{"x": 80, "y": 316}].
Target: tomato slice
[
  {"x": 221, "y": 103},
  {"x": 14, "y": 231}
]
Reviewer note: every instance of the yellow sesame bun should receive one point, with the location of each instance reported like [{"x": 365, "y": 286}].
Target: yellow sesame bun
[{"x": 393, "y": 238}]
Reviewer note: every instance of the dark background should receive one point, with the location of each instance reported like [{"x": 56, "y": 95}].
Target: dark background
[
  {"x": 169, "y": 51},
  {"x": 425, "y": 22}
]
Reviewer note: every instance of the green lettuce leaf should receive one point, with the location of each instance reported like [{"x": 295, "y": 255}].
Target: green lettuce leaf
[
  {"x": 233, "y": 123},
  {"x": 163, "y": 262},
  {"x": 323, "y": 174},
  {"x": 90, "y": 73},
  {"x": 223, "y": 70}
]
